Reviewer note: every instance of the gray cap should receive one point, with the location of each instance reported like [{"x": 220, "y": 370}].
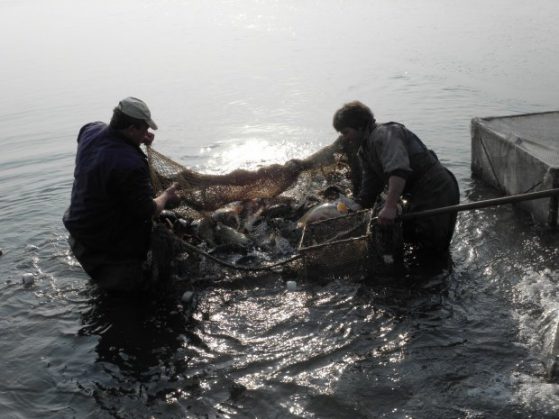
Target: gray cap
[{"x": 136, "y": 108}]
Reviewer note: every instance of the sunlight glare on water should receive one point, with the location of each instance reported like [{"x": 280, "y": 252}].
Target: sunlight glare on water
[{"x": 244, "y": 84}]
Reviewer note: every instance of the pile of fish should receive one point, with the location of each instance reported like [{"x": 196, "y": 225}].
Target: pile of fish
[{"x": 267, "y": 229}]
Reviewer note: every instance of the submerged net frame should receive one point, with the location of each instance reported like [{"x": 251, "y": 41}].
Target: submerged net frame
[{"x": 336, "y": 246}]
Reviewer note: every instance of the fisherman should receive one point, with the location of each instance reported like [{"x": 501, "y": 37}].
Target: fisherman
[
  {"x": 392, "y": 157},
  {"x": 112, "y": 202}
]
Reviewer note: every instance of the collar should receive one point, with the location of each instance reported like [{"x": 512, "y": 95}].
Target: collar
[{"x": 118, "y": 134}]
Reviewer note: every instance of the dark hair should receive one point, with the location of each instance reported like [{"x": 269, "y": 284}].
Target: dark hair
[
  {"x": 120, "y": 120},
  {"x": 353, "y": 115}
]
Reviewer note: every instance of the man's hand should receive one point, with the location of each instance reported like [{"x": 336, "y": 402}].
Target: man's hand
[
  {"x": 148, "y": 138},
  {"x": 168, "y": 195},
  {"x": 171, "y": 192},
  {"x": 387, "y": 214}
]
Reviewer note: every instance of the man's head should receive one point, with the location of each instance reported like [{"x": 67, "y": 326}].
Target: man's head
[
  {"x": 136, "y": 110},
  {"x": 353, "y": 115},
  {"x": 133, "y": 117},
  {"x": 353, "y": 119}
]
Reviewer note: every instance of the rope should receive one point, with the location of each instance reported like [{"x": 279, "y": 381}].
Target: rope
[
  {"x": 499, "y": 186},
  {"x": 240, "y": 268}
]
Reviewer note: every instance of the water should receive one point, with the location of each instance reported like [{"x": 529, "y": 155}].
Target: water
[{"x": 245, "y": 83}]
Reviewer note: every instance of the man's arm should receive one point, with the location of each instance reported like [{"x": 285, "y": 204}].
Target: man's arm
[
  {"x": 168, "y": 194},
  {"x": 389, "y": 211},
  {"x": 396, "y": 166},
  {"x": 371, "y": 184}
]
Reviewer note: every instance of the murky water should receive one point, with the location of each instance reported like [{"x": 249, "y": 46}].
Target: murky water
[{"x": 245, "y": 83}]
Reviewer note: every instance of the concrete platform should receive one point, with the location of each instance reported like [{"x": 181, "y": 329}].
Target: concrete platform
[{"x": 519, "y": 154}]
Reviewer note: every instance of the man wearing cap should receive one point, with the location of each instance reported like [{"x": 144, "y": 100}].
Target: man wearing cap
[{"x": 112, "y": 202}]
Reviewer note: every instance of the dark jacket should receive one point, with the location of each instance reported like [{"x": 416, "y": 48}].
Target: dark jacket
[
  {"x": 112, "y": 197},
  {"x": 392, "y": 150}
]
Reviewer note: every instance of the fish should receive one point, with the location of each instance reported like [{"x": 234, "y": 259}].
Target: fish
[
  {"x": 252, "y": 219},
  {"x": 279, "y": 210},
  {"x": 182, "y": 227},
  {"x": 259, "y": 234},
  {"x": 215, "y": 234},
  {"x": 226, "y": 235},
  {"x": 203, "y": 229},
  {"x": 349, "y": 203},
  {"x": 168, "y": 218},
  {"x": 240, "y": 215},
  {"x": 331, "y": 192},
  {"x": 286, "y": 228},
  {"x": 282, "y": 246},
  {"x": 249, "y": 225},
  {"x": 323, "y": 212},
  {"x": 229, "y": 215}
]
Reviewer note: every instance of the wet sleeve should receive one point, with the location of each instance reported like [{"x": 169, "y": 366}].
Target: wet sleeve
[{"x": 393, "y": 154}]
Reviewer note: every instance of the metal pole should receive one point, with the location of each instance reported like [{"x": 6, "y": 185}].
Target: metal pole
[
  {"x": 483, "y": 204},
  {"x": 553, "y": 205}
]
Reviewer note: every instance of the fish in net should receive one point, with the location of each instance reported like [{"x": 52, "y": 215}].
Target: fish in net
[
  {"x": 204, "y": 192},
  {"x": 298, "y": 182}
]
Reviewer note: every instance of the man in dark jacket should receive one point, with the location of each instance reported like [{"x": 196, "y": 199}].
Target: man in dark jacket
[
  {"x": 112, "y": 202},
  {"x": 393, "y": 157}
]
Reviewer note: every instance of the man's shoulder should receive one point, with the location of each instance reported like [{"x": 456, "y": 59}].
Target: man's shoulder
[
  {"x": 389, "y": 127},
  {"x": 109, "y": 148},
  {"x": 91, "y": 129},
  {"x": 126, "y": 157},
  {"x": 386, "y": 132}
]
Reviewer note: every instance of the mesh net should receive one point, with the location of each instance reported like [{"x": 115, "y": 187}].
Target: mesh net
[
  {"x": 336, "y": 245},
  {"x": 203, "y": 192}
]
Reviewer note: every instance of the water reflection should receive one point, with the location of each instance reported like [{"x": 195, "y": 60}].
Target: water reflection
[
  {"x": 359, "y": 348},
  {"x": 250, "y": 147},
  {"x": 335, "y": 348},
  {"x": 144, "y": 348},
  {"x": 402, "y": 344}
]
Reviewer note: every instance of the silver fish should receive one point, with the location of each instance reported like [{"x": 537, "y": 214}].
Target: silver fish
[
  {"x": 229, "y": 215},
  {"x": 322, "y": 212},
  {"x": 282, "y": 246},
  {"x": 349, "y": 203},
  {"x": 226, "y": 235},
  {"x": 204, "y": 230}
]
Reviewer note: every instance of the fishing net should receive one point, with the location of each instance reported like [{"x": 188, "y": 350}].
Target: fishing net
[
  {"x": 323, "y": 247},
  {"x": 354, "y": 244},
  {"x": 336, "y": 245},
  {"x": 204, "y": 192},
  {"x": 200, "y": 194}
]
